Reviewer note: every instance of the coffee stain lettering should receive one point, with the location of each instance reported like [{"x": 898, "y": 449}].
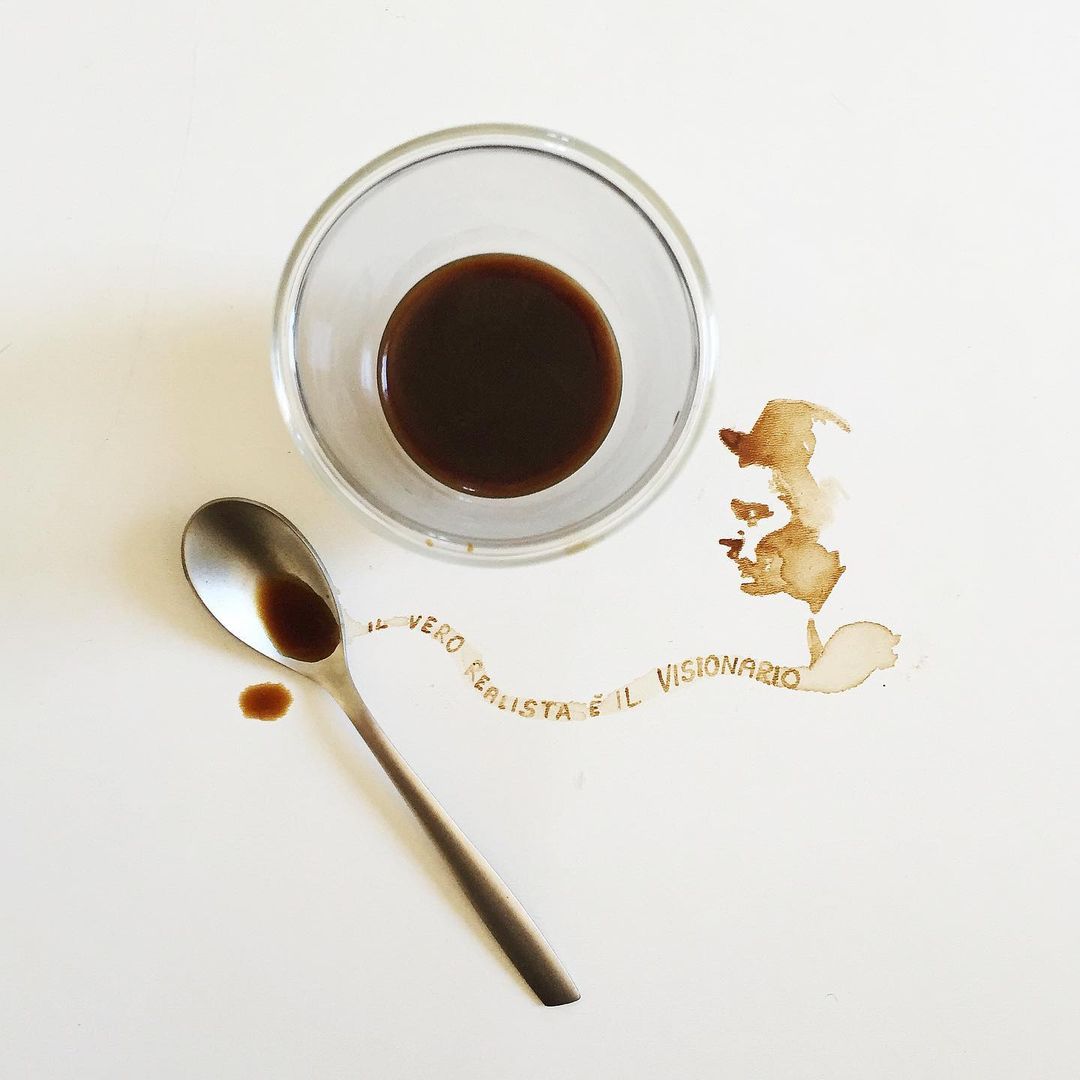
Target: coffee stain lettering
[{"x": 838, "y": 660}]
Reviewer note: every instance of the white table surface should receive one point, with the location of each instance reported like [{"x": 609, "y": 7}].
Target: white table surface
[{"x": 745, "y": 883}]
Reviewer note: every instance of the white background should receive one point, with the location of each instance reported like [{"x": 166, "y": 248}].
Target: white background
[{"x": 745, "y": 883}]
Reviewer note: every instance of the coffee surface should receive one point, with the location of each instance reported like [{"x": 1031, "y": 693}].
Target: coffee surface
[
  {"x": 499, "y": 375},
  {"x": 297, "y": 619}
]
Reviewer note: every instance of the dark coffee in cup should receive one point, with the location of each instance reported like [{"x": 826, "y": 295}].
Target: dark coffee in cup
[{"x": 499, "y": 375}]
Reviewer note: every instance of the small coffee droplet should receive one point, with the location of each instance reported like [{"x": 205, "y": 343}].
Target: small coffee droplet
[{"x": 265, "y": 701}]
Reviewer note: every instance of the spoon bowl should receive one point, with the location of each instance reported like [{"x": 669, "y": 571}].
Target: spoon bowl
[
  {"x": 229, "y": 547},
  {"x": 233, "y": 550}
]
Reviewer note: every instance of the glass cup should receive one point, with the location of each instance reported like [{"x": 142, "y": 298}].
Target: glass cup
[{"x": 469, "y": 191}]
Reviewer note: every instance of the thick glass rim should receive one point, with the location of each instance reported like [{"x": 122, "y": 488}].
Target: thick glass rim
[{"x": 493, "y": 136}]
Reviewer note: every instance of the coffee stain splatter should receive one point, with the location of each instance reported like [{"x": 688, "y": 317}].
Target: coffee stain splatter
[
  {"x": 734, "y": 546},
  {"x": 813, "y": 642},
  {"x": 782, "y": 439},
  {"x": 750, "y": 512},
  {"x": 790, "y": 559},
  {"x": 848, "y": 658}
]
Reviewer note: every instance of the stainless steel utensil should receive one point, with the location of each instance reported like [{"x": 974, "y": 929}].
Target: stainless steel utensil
[{"x": 228, "y": 547}]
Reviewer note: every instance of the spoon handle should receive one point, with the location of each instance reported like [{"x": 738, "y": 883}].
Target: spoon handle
[{"x": 508, "y": 921}]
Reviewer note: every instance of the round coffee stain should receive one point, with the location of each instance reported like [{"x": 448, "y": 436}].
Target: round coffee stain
[{"x": 265, "y": 701}]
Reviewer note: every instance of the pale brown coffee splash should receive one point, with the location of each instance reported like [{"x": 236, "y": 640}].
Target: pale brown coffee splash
[
  {"x": 792, "y": 560},
  {"x": 750, "y": 512},
  {"x": 848, "y": 658}
]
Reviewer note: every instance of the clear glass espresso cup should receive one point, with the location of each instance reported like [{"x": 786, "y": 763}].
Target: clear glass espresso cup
[{"x": 471, "y": 191}]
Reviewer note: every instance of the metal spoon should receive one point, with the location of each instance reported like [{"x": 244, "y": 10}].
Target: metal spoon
[{"x": 229, "y": 546}]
